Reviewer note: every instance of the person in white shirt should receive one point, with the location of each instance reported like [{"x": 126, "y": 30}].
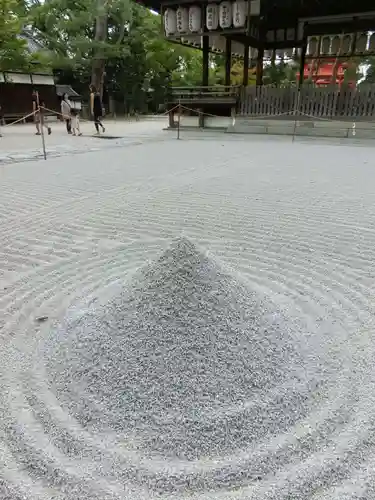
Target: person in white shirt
[
  {"x": 66, "y": 113},
  {"x": 75, "y": 122}
]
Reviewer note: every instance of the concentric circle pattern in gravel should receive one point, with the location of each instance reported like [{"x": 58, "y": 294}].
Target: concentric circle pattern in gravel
[{"x": 198, "y": 329}]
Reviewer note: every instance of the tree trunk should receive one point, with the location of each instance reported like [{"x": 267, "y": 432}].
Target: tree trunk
[{"x": 101, "y": 32}]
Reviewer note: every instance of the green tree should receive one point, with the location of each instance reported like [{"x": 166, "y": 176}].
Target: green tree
[
  {"x": 131, "y": 58},
  {"x": 13, "y": 49},
  {"x": 280, "y": 74},
  {"x": 369, "y": 64}
]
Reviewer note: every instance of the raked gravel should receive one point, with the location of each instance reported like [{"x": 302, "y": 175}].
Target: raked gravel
[{"x": 197, "y": 330}]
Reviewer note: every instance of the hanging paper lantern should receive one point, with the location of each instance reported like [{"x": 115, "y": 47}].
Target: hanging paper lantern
[
  {"x": 225, "y": 15},
  {"x": 361, "y": 44},
  {"x": 346, "y": 44},
  {"x": 280, "y": 35},
  {"x": 239, "y": 14},
  {"x": 195, "y": 19},
  {"x": 170, "y": 22},
  {"x": 212, "y": 16},
  {"x": 312, "y": 46},
  {"x": 182, "y": 15},
  {"x": 325, "y": 45},
  {"x": 335, "y": 45}
]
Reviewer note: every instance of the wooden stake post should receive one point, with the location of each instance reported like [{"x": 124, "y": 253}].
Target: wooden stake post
[{"x": 41, "y": 124}]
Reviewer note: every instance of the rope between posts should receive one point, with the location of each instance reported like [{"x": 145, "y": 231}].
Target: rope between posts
[
  {"x": 296, "y": 118},
  {"x": 20, "y": 119},
  {"x": 180, "y": 106},
  {"x": 60, "y": 114},
  {"x": 84, "y": 120},
  {"x": 218, "y": 116}
]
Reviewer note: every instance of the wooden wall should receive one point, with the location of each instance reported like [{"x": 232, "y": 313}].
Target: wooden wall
[
  {"x": 315, "y": 102},
  {"x": 16, "y": 98}
]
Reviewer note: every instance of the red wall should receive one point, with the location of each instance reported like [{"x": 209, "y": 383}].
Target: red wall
[{"x": 322, "y": 71}]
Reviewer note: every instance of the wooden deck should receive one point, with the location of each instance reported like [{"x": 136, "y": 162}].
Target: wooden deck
[
  {"x": 202, "y": 102},
  {"x": 198, "y": 96}
]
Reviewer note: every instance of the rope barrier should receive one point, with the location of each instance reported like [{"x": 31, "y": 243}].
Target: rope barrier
[
  {"x": 20, "y": 119},
  {"x": 181, "y": 106},
  {"x": 259, "y": 117},
  {"x": 89, "y": 121},
  {"x": 295, "y": 115},
  {"x": 33, "y": 113},
  {"x": 291, "y": 113},
  {"x": 199, "y": 112},
  {"x": 297, "y": 118},
  {"x": 57, "y": 113}
]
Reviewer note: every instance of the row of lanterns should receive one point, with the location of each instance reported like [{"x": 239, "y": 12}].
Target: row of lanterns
[
  {"x": 341, "y": 44},
  {"x": 217, "y": 44},
  {"x": 185, "y": 20}
]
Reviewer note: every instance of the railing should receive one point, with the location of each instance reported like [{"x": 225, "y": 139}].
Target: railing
[
  {"x": 320, "y": 102},
  {"x": 217, "y": 92}
]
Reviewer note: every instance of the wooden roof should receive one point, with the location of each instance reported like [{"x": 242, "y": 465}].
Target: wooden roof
[{"x": 281, "y": 10}]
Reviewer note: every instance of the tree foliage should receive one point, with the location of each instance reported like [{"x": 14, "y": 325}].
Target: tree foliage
[
  {"x": 13, "y": 49},
  {"x": 369, "y": 70},
  {"x": 127, "y": 53},
  {"x": 281, "y": 73}
]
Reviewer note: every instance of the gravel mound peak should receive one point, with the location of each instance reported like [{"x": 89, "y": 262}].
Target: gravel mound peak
[{"x": 185, "y": 350}]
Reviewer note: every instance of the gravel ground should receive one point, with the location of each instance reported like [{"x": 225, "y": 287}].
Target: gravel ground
[
  {"x": 189, "y": 320},
  {"x": 18, "y": 143}
]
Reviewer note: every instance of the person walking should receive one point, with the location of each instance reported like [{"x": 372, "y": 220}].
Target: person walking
[
  {"x": 39, "y": 113},
  {"x": 66, "y": 113},
  {"x": 75, "y": 122},
  {"x": 96, "y": 108}
]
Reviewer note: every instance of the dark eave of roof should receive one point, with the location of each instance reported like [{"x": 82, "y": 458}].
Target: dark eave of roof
[
  {"x": 62, "y": 89},
  {"x": 287, "y": 11}
]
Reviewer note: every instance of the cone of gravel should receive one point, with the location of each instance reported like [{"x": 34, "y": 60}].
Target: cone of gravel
[{"x": 188, "y": 360}]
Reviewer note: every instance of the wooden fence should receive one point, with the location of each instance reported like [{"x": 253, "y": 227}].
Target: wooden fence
[{"x": 324, "y": 102}]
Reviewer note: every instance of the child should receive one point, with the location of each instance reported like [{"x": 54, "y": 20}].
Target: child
[{"x": 75, "y": 122}]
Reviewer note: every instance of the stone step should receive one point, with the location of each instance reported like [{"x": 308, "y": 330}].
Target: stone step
[
  {"x": 338, "y": 129},
  {"x": 323, "y": 123}
]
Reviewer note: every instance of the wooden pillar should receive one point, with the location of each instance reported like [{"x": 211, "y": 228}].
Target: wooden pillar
[
  {"x": 205, "y": 68},
  {"x": 259, "y": 80},
  {"x": 245, "y": 80},
  {"x": 302, "y": 61},
  {"x": 228, "y": 60},
  {"x": 205, "y": 72},
  {"x": 273, "y": 58}
]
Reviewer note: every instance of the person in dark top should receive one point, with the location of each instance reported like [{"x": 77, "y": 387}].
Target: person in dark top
[
  {"x": 38, "y": 119},
  {"x": 96, "y": 108}
]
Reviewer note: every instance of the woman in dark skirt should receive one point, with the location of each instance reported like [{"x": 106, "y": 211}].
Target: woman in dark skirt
[{"x": 96, "y": 108}]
